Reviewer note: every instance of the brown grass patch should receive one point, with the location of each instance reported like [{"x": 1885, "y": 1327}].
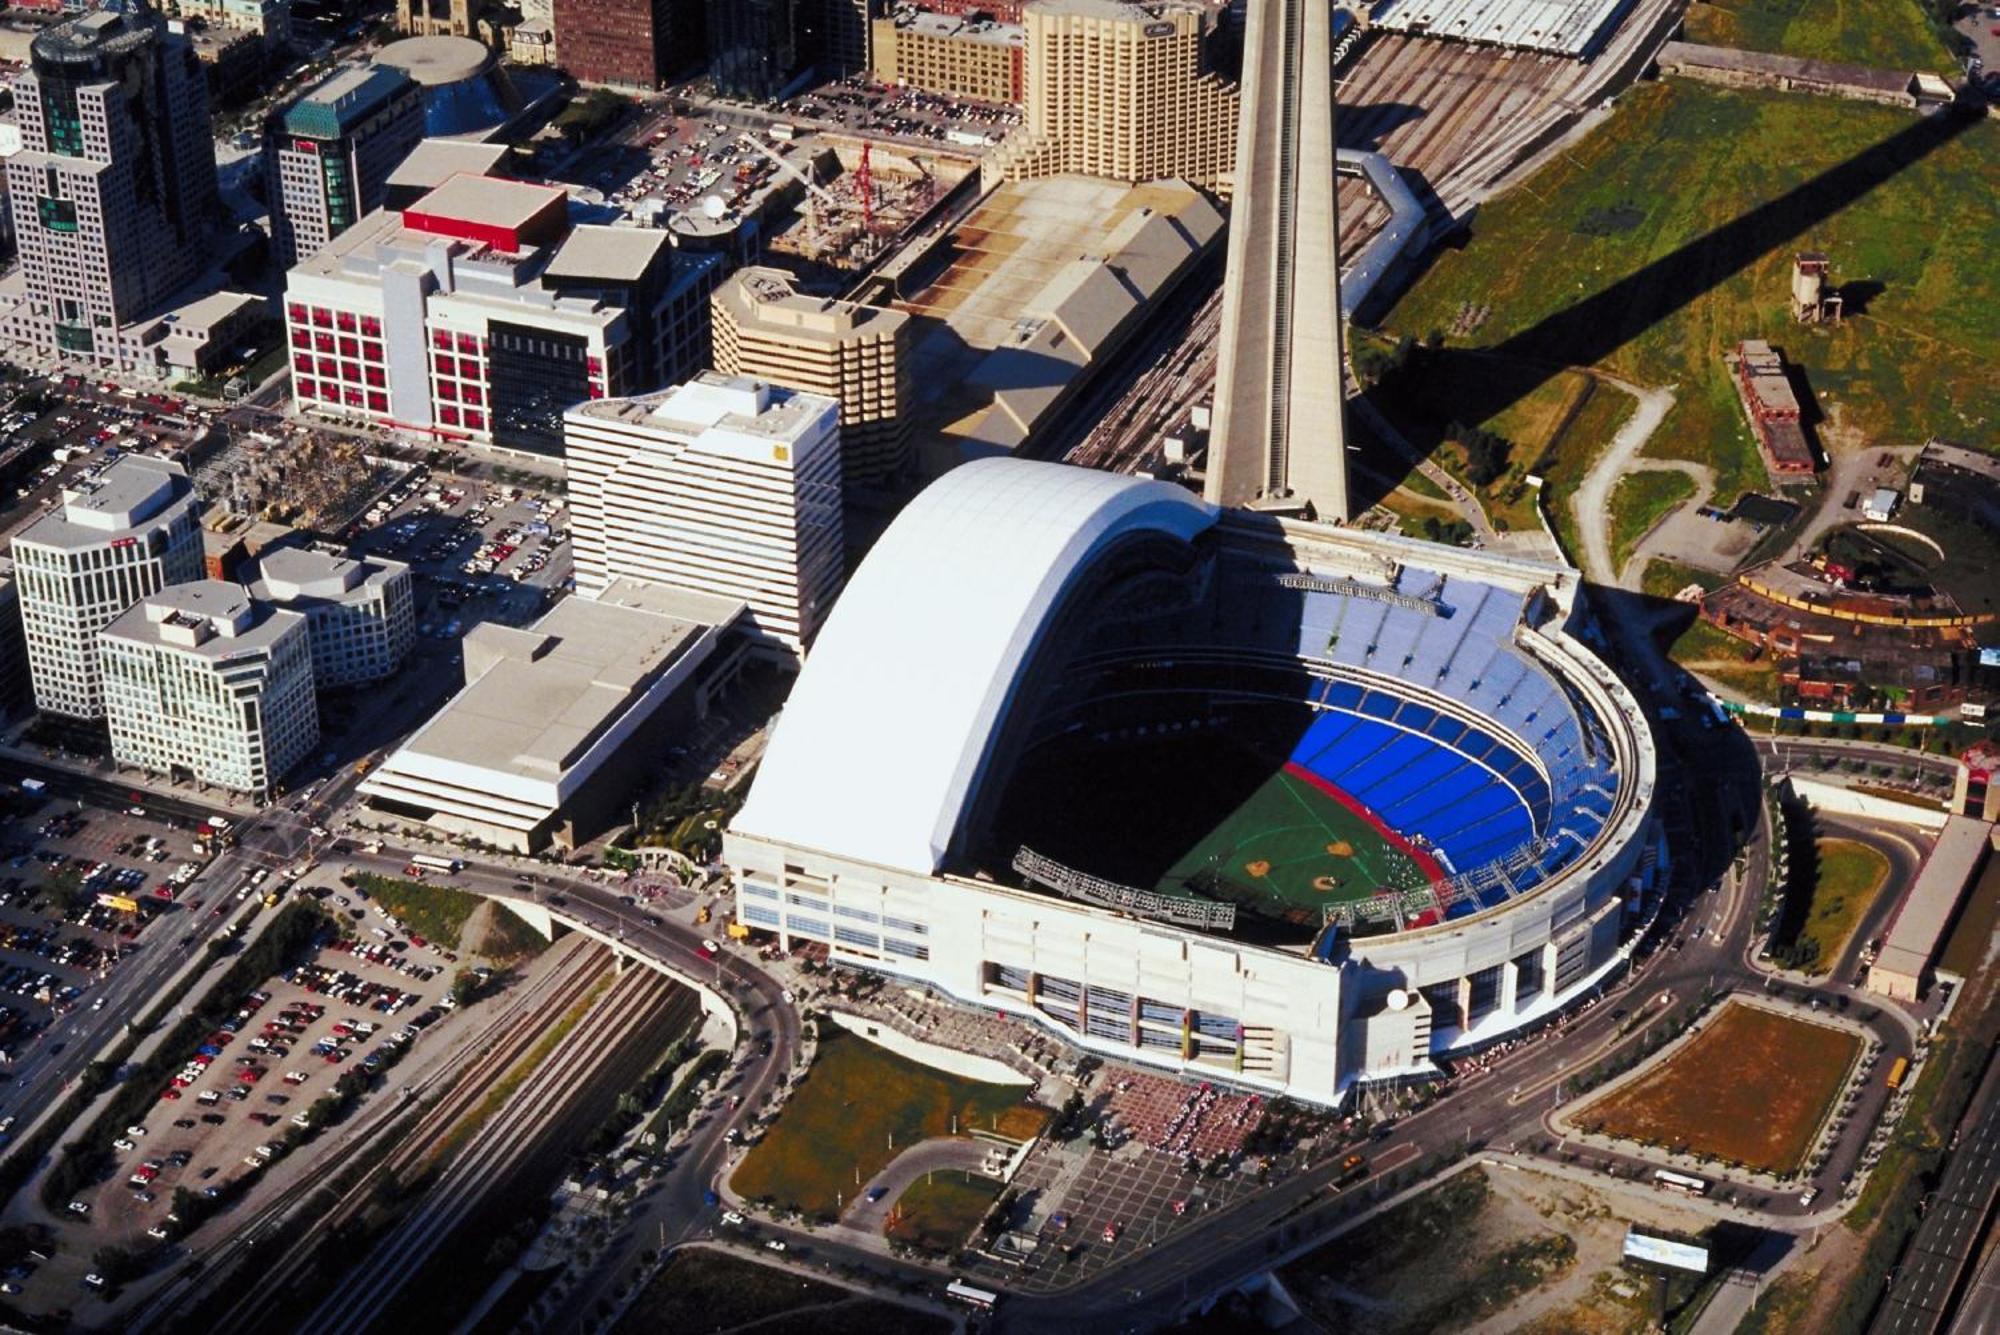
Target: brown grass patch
[{"x": 1751, "y": 1088}]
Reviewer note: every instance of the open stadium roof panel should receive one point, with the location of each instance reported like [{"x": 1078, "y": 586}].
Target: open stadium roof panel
[
  {"x": 927, "y": 644},
  {"x": 1560, "y": 27}
]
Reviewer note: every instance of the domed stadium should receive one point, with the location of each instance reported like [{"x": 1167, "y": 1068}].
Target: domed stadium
[{"x": 1282, "y": 803}]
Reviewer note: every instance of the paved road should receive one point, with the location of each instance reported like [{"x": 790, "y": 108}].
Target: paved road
[{"x": 1924, "y": 1290}]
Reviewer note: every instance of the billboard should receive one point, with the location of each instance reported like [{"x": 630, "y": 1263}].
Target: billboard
[{"x": 1659, "y": 1251}]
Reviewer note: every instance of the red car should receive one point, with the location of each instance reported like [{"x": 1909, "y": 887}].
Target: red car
[{"x": 170, "y": 1094}]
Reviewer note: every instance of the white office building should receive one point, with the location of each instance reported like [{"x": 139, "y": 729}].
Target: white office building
[
  {"x": 202, "y": 681},
  {"x": 115, "y": 538},
  {"x": 361, "y": 613},
  {"x": 725, "y": 485}
]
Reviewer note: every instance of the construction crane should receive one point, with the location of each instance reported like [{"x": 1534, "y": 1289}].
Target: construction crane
[{"x": 814, "y": 190}]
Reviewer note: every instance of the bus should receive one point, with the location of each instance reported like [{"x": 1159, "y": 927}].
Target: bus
[
  {"x": 1693, "y": 1186},
  {"x": 961, "y": 1292},
  {"x": 1897, "y": 1070},
  {"x": 432, "y": 862}
]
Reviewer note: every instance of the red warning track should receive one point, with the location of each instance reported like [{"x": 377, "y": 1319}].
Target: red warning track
[{"x": 1425, "y": 862}]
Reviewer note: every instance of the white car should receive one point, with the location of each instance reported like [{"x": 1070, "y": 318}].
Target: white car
[
  {"x": 731, "y": 1217},
  {"x": 158, "y": 1232},
  {"x": 121, "y": 1145},
  {"x": 135, "y": 1130},
  {"x": 776, "y": 1244},
  {"x": 79, "y": 1207}
]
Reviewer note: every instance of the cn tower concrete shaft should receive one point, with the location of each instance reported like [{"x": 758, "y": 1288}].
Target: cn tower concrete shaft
[{"x": 1278, "y": 434}]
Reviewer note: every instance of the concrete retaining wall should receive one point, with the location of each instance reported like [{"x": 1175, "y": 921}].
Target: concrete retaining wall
[
  {"x": 1842, "y": 801},
  {"x": 930, "y": 1054}
]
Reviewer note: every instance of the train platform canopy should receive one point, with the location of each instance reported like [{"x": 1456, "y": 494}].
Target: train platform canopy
[{"x": 1560, "y": 27}]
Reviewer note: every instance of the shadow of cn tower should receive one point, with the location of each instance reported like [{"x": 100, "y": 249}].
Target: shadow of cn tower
[{"x": 1596, "y": 326}]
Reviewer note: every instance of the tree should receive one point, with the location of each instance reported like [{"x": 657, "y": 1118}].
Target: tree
[{"x": 465, "y": 987}]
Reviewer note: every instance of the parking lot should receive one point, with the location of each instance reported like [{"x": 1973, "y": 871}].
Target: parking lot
[
  {"x": 482, "y": 550},
  {"x": 83, "y": 428},
  {"x": 58, "y": 940},
  {"x": 860, "y": 107},
  {"x": 247, "y": 1094}
]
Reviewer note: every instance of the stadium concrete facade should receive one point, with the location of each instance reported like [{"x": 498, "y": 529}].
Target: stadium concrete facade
[{"x": 1478, "y": 844}]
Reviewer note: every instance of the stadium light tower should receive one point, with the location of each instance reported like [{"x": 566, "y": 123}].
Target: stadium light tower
[{"x": 1278, "y": 437}]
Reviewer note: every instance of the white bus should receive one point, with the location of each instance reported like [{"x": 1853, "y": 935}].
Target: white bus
[
  {"x": 432, "y": 862},
  {"x": 959, "y": 1291},
  {"x": 1693, "y": 1186}
]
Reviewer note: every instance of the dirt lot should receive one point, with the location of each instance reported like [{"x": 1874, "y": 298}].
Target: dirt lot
[
  {"x": 1489, "y": 1250},
  {"x": 1751, "y": 1087}
]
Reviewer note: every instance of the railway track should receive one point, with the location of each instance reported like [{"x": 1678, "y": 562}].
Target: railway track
[
  {"x": 510, "y": 1036},
  {"x": 639, "y": 998}
]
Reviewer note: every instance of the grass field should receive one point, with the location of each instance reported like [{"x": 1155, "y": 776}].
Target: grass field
[
  {"x": 1889, "y": 34},
  {"x": 1971, "y": 940},
  {"x": 1639, "y": 501},
  {"x": 1664, "y": 579},
  {"x": 1849, "y": 875},
  {"x": 856, "y": 1109},
  {"x": 434, "y": 912},
  {"x": 1444, "y": 1260},
  {"x": 937, "y": 1215},
  {"x": 1608, "y": 258},
  {"x": 1554, "y": 431},
  {"x": 1724, "y": 658},
  {"x": 1751, "y": 1087},
  {"x": 700, "y": 1292},
  {"x": 1293, "y": 846}
]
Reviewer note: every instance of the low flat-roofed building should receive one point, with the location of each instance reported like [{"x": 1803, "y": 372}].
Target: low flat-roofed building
[
  {"x": 202, "y": 680},
  {"x": 361, "y": 611},
  {"x": 434, "y": 161},
  {"x": 1903, "y": 967},
  {"x": 558, "y": 721},
  {"x": 1066, "y": 269}
]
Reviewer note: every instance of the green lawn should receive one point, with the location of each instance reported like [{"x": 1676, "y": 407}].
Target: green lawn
[
  {"x": 1849, "y": 875},
  {"x": 1612, "y": 257},
  {"x": 939, "y": 1213},
  {"x": 434, "y": 912},
  {"x": 857, "y": 1108},
  {"x": 1639, "y": 501},
  {"x": 1889, "y": 34}
]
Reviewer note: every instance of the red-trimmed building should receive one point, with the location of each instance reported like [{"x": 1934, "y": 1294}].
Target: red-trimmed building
[{"x": 479, "y": 313}]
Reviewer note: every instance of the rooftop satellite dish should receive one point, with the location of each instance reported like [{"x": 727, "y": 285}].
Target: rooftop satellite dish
[
  {"x": 713, "y": 206},
  {"x": 1399, "y": 1000}
]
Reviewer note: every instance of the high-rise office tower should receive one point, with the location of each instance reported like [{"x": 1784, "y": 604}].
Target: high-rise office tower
[
  {"x": 1129, "y": 92},
  {"x": 628, "y": 43},
  {"x": 114, "y": 188},
  {"x": 725, "y": 485},
  {"x": 126, "y": 533},
  {"x": 753, "y": 46},
  {"x": 857, "y": 354},
  {"x": 328, "y": 156},
  {"x": 202, "y": 678},
  {"x": 1279, "y": 436}
]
